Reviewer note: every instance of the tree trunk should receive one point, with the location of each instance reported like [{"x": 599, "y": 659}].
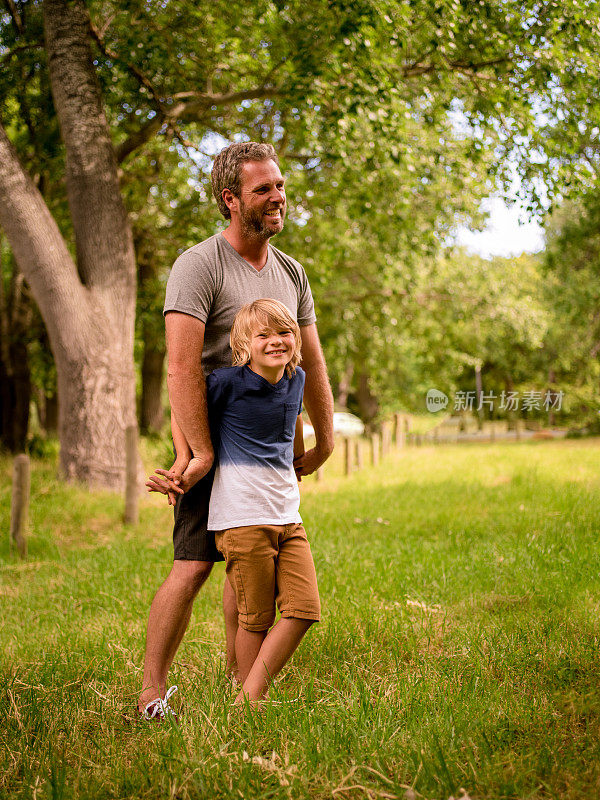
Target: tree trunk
[
  {"x": 11, "y": 423},
  {"x": 368, "y": 404},
  {"x": 95, "y": 392},
  {"x": 15, "y": 378},
  {"x": 15, "y": 397},
  {"x": 152, "y": 414},
  {"x": 96, "y": 385},
  {"x": 149, "y": 264},
  {"x": 344, "y": 385},
  {"x": 88, "y": 308},
  {"x": 51, "y": 414}
]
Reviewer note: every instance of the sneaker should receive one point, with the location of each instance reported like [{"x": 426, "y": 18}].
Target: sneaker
[{"x": 157, "y": 710}]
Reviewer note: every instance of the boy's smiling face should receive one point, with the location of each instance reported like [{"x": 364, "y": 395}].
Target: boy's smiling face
[{"x": 270, "y": 351}]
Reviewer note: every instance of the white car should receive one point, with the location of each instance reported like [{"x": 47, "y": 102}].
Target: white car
[{"x": 344, "y": 423}]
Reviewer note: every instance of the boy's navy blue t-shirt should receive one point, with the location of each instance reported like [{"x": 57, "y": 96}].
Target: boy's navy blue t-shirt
[{"x": 252, "y": 425}]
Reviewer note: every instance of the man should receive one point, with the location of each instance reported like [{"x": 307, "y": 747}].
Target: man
[{"x": 208, "y": 285}]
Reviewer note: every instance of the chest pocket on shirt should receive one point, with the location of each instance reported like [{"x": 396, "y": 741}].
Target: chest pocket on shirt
[{"x": 290, "y": 412}]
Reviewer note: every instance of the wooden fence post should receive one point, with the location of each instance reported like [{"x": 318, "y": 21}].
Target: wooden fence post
[
  {"x": 374, "y": 449},
  {"x": 347, "y": 455},
  {"x": 399, "y": 430},
  {"x": 131, "y": 515},
  {"x": 386, "y": 437},
  {"x": 360, "y": 461},
  {"x": 319, "y": 474},
  {"x": 19, "y": 511}
]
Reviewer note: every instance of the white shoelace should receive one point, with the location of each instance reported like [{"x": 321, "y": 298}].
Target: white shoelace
[{"x": 159, "y": 706}]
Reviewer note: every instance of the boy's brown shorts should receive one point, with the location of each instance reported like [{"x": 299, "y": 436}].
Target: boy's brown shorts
[{"x": 268, "y": 564}]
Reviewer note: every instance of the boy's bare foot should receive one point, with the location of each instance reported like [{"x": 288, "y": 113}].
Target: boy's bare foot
[{"x": 244, "y": 701}]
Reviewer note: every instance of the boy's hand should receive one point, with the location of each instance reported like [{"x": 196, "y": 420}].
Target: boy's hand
[
  {"x": 310, "y": 461},
  {"x": 297, "y": 466},
  {"x": 176, "y": 481},
  {"x": 170, "y": 480}
]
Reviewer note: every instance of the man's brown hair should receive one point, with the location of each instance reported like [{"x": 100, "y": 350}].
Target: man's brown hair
[{"x": 227, "y": 168}]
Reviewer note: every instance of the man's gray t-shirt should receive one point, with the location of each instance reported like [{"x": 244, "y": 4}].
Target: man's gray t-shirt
[{"x": 211, "y": 281}]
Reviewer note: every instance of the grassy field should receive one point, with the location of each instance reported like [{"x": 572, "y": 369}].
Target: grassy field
[{"x": 458, "y": 653}]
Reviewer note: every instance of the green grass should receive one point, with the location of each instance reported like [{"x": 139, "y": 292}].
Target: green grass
[{"x": 458, "y": 647}]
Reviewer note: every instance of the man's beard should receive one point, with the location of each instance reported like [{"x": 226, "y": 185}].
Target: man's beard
[{"x": 253, "y": 223}]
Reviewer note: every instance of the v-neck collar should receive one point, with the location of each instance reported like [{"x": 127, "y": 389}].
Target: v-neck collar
[{"x": 247, "y": 264}]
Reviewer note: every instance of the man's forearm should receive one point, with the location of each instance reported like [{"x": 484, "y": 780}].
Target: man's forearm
[
  {"x": 187, "y": 394},
  {"x": 318, "y": 401}
]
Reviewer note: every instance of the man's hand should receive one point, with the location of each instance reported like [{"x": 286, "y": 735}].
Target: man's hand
[
  {"x": 180, "y": 478},
  {"x": 311, "y": 461}
]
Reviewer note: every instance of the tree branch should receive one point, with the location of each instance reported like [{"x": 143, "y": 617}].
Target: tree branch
[
  {"x": 37, "y": 244},
  {"x": 16, "y": 17},
  {"x": 32, "y": 46},
  {"x": 112, "y": 54},
  {"x": 189, "y": 106},
  {"x": 140, "y": 137},
  {"x": 467, "y": 68},
  {"x": 192, "y": 108}
]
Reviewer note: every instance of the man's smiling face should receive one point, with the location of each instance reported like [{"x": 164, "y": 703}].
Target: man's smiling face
[{"x": 262, "y": 202}]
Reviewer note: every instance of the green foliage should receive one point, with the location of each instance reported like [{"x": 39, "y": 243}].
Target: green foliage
[
  {"x": 572, "y": 265},
  {"x": 392, "y": 120},
  {"x": 494, "y": 315}
]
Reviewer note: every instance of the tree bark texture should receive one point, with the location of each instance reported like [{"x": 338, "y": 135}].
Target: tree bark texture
[
  {"x": 152, "y": 414},
  {"x": 88, "y": 308},
  {"x": 102, "y": 232}
]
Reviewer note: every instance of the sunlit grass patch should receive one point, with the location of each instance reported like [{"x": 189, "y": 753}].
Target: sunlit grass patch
[{"x": 458, "y": 646}]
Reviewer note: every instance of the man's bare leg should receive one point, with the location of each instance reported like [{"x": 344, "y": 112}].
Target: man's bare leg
[
  {"x": 275, "y": 652},
  {"x": 231, "y": 628},
  {"x": 169, "y": 617}
]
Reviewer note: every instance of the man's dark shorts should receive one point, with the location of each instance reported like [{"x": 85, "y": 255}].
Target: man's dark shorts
[{"x": 191, "y": 540}]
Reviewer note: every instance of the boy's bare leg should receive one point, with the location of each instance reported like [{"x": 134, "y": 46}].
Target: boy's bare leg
[
  {"x": 169, "y": 617},
  {"x": 231, "y": 628},
  {"x": 247, "y": 648},
  {"x": 275, "y": 652}
]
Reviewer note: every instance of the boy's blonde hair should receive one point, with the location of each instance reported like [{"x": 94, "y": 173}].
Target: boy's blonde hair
[{"x": 264, "y": 313}]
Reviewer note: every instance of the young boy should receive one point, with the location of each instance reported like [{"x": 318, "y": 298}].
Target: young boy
[{"x": 256, "y": 426}]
